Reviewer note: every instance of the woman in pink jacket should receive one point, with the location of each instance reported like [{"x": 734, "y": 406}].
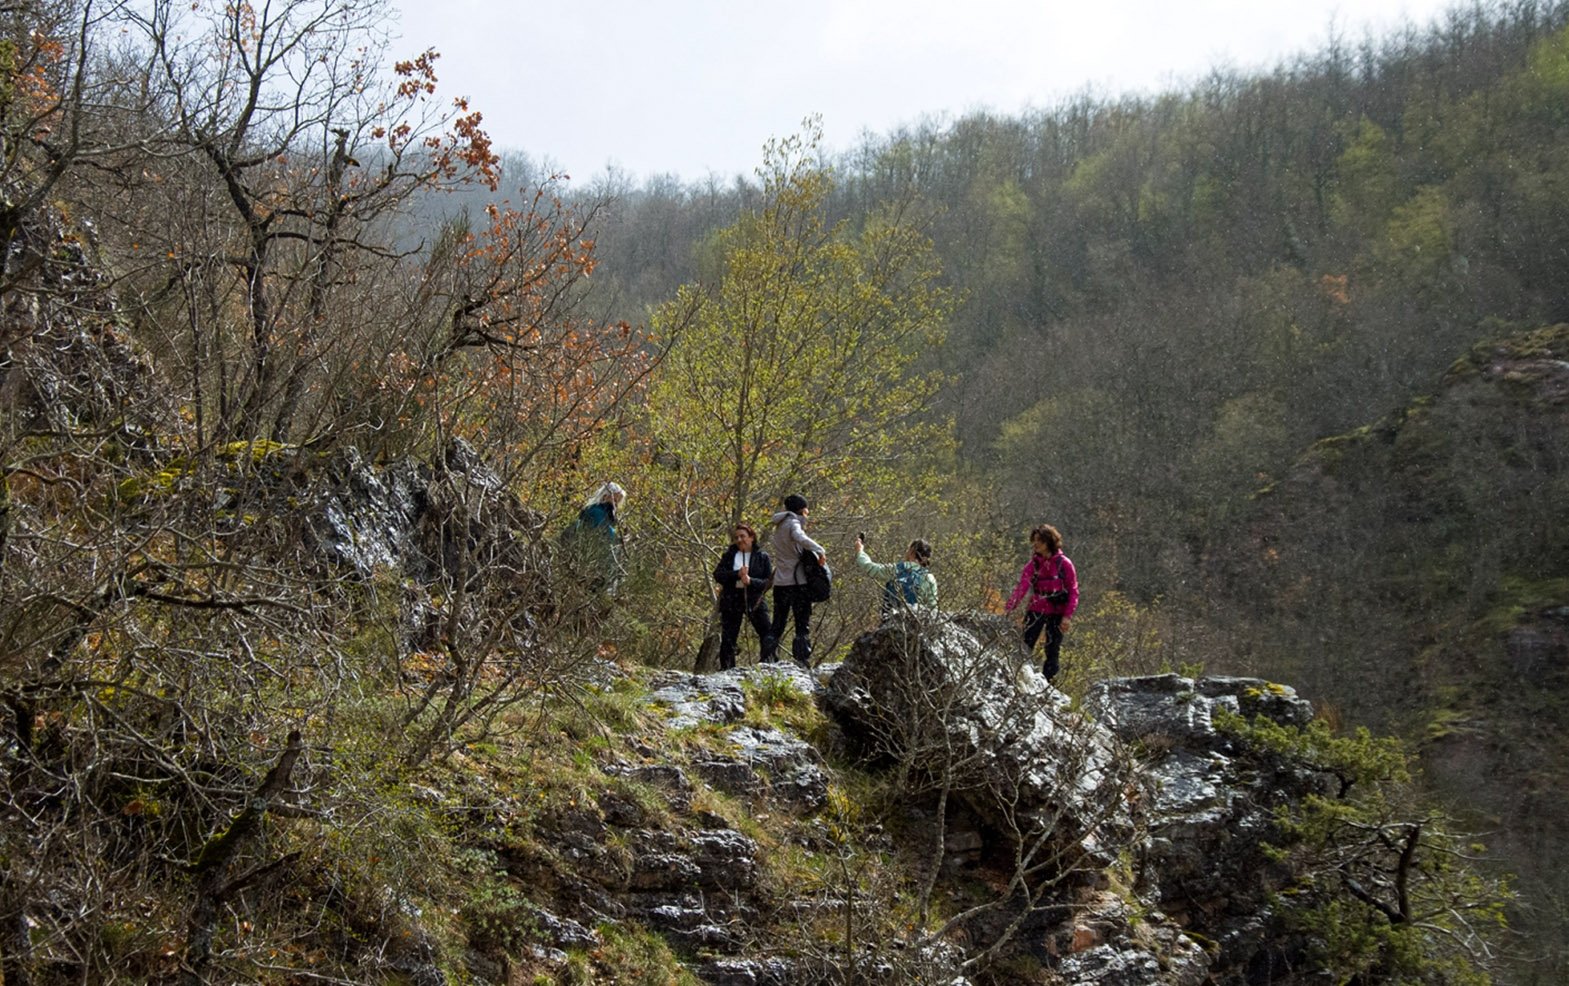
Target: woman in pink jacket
[{"x": 1053, "y": 587}]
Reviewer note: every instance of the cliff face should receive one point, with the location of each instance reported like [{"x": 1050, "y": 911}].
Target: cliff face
[{"x": 1416, "y": 572}]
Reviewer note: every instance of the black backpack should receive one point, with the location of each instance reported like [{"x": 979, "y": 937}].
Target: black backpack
[{"x": 815, "y": 578}]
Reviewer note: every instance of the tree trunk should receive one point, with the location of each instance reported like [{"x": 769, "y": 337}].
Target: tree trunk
[{"x": 212, "y": 864}]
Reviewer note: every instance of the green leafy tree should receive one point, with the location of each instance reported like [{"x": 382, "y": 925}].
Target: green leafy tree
[
  {"x": 799, "y": 364},
  {"x": 1388, "y": 889}
]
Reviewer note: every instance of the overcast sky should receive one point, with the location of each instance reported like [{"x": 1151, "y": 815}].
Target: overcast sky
[{"x": 696, "y": 86}]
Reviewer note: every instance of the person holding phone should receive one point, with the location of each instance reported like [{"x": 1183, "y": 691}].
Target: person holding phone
[{"x": 905, "y": 583}]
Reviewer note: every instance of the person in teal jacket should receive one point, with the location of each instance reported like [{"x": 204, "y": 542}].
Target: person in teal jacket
[
  {"x": 593, "y": 539},
  {"x": 905, "y": 583}
]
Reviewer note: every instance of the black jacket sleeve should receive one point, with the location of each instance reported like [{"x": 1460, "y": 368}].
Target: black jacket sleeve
[
  {"x": 724, "y": 572},
  {"x": 761, "y": 569}
]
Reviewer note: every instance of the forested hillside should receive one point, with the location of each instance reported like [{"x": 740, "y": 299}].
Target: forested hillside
[
  {"x": 1415, "y": 569},
  {"x": 1164, "y": 302},
  {"x": 303, "y": 383}
]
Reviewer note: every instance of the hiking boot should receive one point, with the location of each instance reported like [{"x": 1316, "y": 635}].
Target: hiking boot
[{"x": 801, "y": 650}]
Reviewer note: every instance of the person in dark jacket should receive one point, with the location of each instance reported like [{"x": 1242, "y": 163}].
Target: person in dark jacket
[
  {"x": 743, "y": 573},
  {"x": 1052, "y": 584},
  {"x": 790, "y": 598}
]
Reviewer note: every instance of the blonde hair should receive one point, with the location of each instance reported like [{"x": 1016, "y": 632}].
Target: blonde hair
[{"x": 606, "y": 493}]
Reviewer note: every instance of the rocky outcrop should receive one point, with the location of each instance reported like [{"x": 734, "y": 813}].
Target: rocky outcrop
[
  {"x": 1408, "y": 572},
  {"x": 691, "y": 877},
  {"x": 1211, "y": 803},
  {"x": 1155, "y": 818},
  {"x": 1118, "y": 843},
  {"x": 362, "y": 517},
  {"x": 755, "y": 764},
  {"x": 955, "y": 700},
  {"x": 66, "y": 362}
]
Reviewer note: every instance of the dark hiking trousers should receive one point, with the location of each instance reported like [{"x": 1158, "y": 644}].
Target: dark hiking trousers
[
  {"x": 730, "y": 632},
  {"x": 1034, "y": 623},
  {"x": 791, "y": 600}
]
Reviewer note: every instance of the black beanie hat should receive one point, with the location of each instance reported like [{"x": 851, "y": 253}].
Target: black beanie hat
[{"x": 795, "y": 503}]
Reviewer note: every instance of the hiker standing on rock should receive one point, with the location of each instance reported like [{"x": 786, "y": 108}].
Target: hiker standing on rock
[
  {"x": 1052, "y": 584},
  {"x": 907, "y": 582},
  {"x": 743, "y": 573},
  {"x": 789, "y": 542}
]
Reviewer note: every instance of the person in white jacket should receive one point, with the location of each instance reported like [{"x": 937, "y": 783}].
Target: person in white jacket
[{"x": 790, "y": 600}]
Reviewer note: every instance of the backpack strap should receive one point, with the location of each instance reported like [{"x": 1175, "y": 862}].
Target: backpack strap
[{"x": 1035, "y": 577}]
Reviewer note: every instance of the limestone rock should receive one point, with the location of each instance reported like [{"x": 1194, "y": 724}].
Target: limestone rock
[
  {"x": 956, "y": 697},
  {"x": 752, "y": 763},
  {"x": 1211, "y": 802}
]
